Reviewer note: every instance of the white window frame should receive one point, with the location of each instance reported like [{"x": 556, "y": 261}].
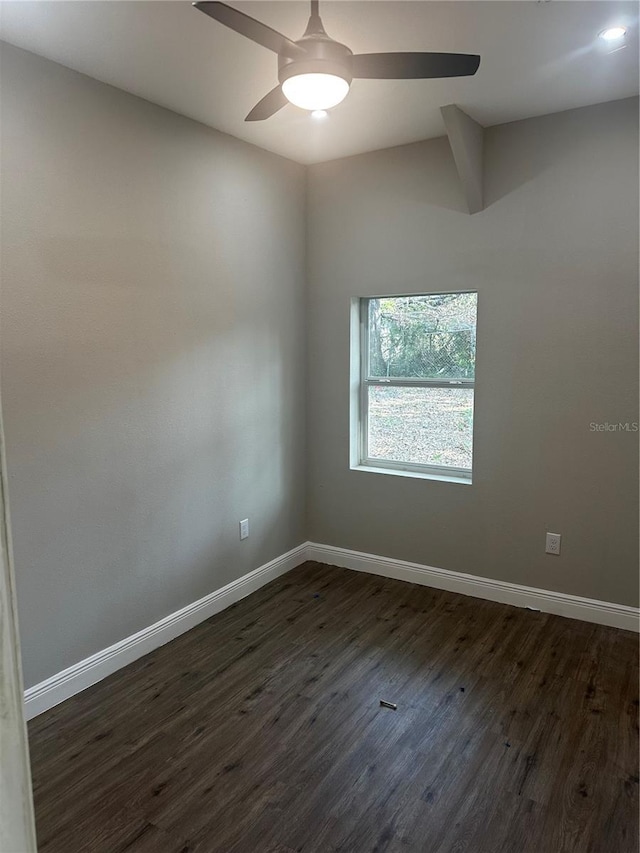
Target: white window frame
[{"x": 361, "y": 381}]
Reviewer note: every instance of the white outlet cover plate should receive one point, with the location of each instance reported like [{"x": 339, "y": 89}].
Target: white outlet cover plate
[{"x": 553, "y": 543}]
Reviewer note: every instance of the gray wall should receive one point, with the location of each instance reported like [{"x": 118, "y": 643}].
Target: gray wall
[
  {"x": 153, "y": 354},
  {"x": 154, "y": 345},
  {"x": 554, "y": 257}
]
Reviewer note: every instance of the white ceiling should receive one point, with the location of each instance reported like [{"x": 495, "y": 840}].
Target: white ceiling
[{"x": 537, "y": 57}]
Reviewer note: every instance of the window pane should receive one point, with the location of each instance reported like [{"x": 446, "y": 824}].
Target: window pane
[
  {"x": 430, "y": 337},
  {"x": 431, "y": 426}
]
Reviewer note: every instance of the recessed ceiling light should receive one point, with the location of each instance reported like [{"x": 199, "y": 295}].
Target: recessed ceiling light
[
  {"x": 319, "y": 114},
  {"x": 613, "y": 33}
]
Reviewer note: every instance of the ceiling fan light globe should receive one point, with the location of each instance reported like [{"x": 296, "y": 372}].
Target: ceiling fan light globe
[{"x": 315, "y": 91}]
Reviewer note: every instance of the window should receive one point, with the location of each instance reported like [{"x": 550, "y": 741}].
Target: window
[{"x": 414, "y": 390}]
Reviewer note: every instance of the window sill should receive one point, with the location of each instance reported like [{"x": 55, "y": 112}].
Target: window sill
[{"x": 416, "y": 475}]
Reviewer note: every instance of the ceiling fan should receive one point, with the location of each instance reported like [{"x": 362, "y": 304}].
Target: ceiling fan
[{"x": 315, "y": 72}]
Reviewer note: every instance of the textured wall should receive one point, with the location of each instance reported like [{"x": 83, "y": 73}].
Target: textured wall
[
  {"x": 554, "y": 257},
  {"x": 153, "y": 356}
]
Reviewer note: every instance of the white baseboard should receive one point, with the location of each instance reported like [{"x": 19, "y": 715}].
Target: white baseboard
[
  {"x": 78, "y": 677},
  {"x": 559, "y": 603}
]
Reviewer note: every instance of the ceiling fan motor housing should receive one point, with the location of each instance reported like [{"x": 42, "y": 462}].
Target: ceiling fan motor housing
[{"x": 323, "y": 56}]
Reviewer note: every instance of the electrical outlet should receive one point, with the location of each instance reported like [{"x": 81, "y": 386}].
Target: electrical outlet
[
  {"x": 553, "y": 543},
  {"x": 244, "y": 528}
]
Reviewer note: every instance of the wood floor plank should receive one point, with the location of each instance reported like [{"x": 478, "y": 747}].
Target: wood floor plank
[{"x": 261, "y": 731}]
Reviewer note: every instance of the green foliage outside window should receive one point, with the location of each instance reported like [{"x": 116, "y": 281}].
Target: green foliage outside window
[{"x": 427, "y": 337}]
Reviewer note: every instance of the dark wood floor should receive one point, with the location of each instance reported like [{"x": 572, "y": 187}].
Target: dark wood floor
[{"x": 261, "y": 731}]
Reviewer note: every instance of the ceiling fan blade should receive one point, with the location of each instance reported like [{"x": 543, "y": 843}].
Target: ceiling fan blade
[
  {"x": 269, "y": 105},
  {"x": 252, "y": 29},
  {"x": 413, "y": 66}
]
